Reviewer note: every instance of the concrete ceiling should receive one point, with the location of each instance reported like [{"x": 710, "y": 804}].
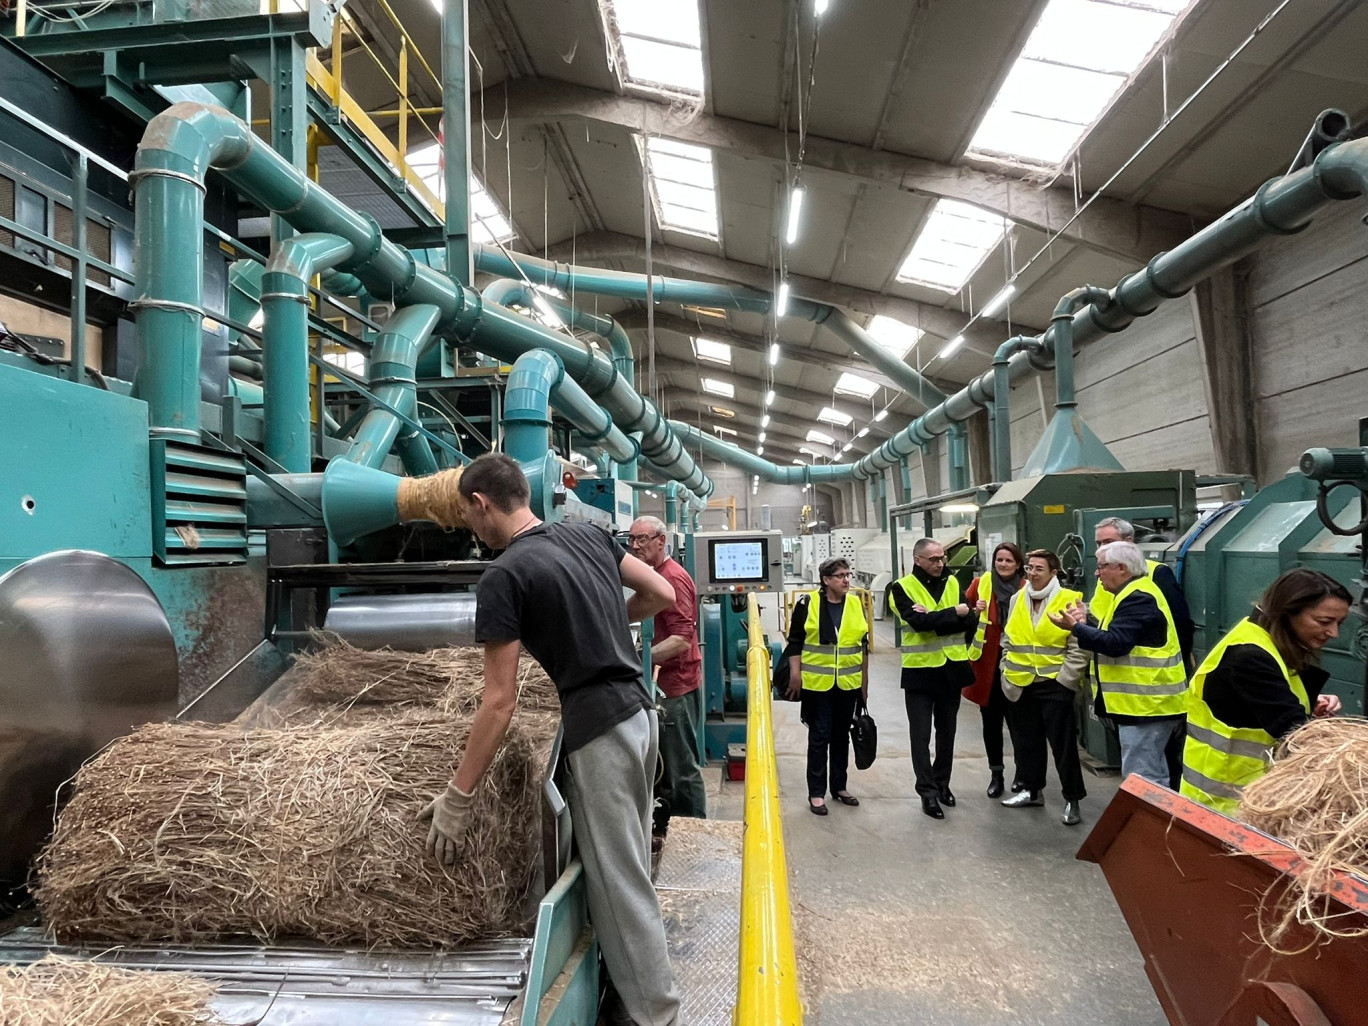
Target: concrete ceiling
[{"x": 898, "y": 88}]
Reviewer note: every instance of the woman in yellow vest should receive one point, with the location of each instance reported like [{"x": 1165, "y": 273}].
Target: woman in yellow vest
[
  {"x": 829, "y": 664},
  {"x": 997, "y": 587},
  {"x": 1258, "y": 684},
  {"x": 1042, "y": 667}
]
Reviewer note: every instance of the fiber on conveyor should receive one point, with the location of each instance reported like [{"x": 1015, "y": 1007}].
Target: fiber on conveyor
[
  {"x": 1315, "y": 798},
  {"x": 67, "y": 992},
  {"x": 189, "y": 832}
]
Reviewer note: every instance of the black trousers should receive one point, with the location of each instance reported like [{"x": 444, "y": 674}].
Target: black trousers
[
  {"x": 996, "y": 713},
  {"x": 1045, "y": 714},
  {"x": 828, "y": 715},
  {"x": 926, "y": 709}
]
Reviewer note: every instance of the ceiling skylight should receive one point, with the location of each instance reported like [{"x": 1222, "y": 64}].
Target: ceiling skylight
[
  {"x": 853, "y": 384},
  {"x": 660, "y": 44},
  {"x": 488, "y": 224},
  {"x": 830, "y": 415},
  {"x": 683, "y": 186},
  {"x": 810, "y": 451},
  {"x": 895, "y": 336},
  {"x": 820, "y": 436},
  {"x": 722, "y": 411},
  {"x": 712, "y": 351},
  {"x": 723, "y": 388},
  {"x": 1079, "y": 56},
  {"x": 951, "y": 245}
]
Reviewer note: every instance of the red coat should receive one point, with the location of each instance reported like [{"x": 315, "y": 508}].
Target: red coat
[{"x": 986, "y": 664}]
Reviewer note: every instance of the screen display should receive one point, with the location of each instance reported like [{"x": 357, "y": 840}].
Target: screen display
[{"x": 739, "y": 561}]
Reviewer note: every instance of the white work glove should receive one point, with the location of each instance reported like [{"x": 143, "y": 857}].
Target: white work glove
[{"x": 447, "y": 813}]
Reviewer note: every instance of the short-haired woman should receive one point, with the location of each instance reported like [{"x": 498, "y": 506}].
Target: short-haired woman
[
  {"x": 1258, "y": 684},
  {"x": 998, "y": 586},
  {"x": 829, "y": 664}
]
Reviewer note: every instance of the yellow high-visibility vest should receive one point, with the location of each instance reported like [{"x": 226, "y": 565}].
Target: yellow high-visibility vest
[
  {"x": 1103, "y": 600},
  {"x": 1147, "y": 680},
  {"x": 927, "y": 649},
  {"x": 823, "y": 666},
  {"x": 1219, "y": 759},
  {"x": 1035, "y": 650},
  {"x": 985, "y": 592}
]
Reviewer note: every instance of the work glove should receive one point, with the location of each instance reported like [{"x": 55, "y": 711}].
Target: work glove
[{"x": 447, "y": 814}]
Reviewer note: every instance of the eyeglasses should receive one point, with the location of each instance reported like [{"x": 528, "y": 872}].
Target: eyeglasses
[
  {"x": 641, "y": 539},
  {"x": 1103, "y": 566},
  {"x": 932, "y": 559},
  {"x": 838, "y": 577}
]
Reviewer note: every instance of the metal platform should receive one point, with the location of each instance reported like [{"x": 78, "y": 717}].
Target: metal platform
[
  {"x": 316, "y": 986},
  {"x": 699, "y": 884}
]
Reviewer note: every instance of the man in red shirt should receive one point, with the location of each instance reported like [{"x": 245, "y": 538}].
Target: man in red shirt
[{"x": 675, "y": 650}]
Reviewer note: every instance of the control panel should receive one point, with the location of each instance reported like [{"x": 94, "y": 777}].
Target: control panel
[{"x": 735, "y": 562}]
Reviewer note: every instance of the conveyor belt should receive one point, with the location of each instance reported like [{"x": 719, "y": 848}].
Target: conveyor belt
[{"x": 316, "y": 986}]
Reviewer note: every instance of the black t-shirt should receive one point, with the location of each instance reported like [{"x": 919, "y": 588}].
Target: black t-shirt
[{"x": 558, "y": 589}]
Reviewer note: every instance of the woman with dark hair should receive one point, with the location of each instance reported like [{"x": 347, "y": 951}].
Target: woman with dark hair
[
  {"x": 1258, "y": 684},
  {"x": 829, "y": 665},
  {"x": 997, "y": 587}
]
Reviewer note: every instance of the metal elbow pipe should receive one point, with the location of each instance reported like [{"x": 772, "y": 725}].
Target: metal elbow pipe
[
  {"x": 391, "y": 377},
  {"x": 1062, "y": 323},
  {"x": 285, "y": 338},
  {"x": 1002, "y": 386},
  {"x": 537, "y": 382}
]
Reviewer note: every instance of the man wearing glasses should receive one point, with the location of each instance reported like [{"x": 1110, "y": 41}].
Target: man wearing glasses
[
  {"x": 674, "y": 649},
  {"x": 935, "y": 666}
]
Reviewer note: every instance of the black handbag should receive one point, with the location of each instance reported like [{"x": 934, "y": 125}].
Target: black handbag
[{"x": 864, "y": 736}]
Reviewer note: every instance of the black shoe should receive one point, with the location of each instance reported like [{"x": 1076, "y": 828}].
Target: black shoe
[
  {"x": 932, "y": 808},
  {"x": 946, "y": 797},
  {"x": 845, "y": 798},
  {"x": 817, "y": 810},
  {"x": 1017, "y": 787},
  {"x": 995, "y": 784}
]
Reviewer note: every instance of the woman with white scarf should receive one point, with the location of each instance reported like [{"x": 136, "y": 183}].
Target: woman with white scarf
[{"x": 1042, "y": 667}]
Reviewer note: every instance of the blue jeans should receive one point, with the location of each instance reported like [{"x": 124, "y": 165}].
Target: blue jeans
[{"x": 1142, "y": 749}]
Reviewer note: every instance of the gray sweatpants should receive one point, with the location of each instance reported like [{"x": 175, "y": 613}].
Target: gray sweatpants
[{"x": 610, "y": 806}]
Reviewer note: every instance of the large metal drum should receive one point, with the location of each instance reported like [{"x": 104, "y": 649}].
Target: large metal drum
[
  {"x": 409, "y": 623},
  {"x": 86, "y": 654}
]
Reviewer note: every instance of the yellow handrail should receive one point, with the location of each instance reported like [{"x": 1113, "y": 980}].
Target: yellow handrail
[{"x": 767, "y": 980}]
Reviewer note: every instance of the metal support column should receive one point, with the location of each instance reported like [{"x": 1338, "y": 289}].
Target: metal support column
[
  {"x": 79, "y": 173},
  {"x": 456, "y": 139},
  {"x": 289, "y": 114}
]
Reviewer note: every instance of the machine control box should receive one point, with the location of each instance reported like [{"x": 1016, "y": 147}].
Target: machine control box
[{"x": 735, "y": 562}]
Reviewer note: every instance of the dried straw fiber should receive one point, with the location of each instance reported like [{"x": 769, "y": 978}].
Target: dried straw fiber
[
  {"x": 1315, "y": 798},
  {"x": 65, "y": 992},
  {"x": 448, "y": 679},
  {"x": 189, "y": 832}
]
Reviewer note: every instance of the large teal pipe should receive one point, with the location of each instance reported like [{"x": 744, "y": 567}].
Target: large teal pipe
[
  {"x": 285, "y": 338},
  {"x": 1282, "y": 206},
  {"x": 391, "y": 377},
  {"x": 537, "y": 381},
  {"x": 758, "y": 465},
  {"x": 1002, "y": 416}
]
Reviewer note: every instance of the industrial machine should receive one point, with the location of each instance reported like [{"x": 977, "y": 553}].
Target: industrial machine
[{"x": 727, "y": 566}]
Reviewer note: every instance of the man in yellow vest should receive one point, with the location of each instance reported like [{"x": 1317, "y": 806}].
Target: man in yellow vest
[
  {"x": 1138, "y": 677},
  {"x": 935, "y": 665},
  {"x": 828, "y": 653},
  {"x": 1042, "y": 667}
]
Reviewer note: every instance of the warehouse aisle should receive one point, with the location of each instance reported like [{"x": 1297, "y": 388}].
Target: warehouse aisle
[{"x": 983, "y": 919}]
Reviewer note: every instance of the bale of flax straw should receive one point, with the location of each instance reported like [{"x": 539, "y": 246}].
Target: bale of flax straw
[
  {"x": 448, "y": 679},
  {"x": 191, "y": 832},
  {"x": 1315, "y": 798},
  {"x": 68, "y": 992}
]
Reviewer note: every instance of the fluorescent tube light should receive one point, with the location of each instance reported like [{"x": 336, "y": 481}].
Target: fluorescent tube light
[
  {"x": 951, "y": 346},
  {"x": 881, "y": 415},
  {"x": 999, "y": 301},
  {"x": 781, "y": 307},
  {"x": 959, "y": 507},
  {"x": 819, "y": 7},
  {"x": 764, "y": 421},
  {"x": 774, "y": 353},
  {"x": 769, "y": 397},
  {"x": 795, "y": 212}
]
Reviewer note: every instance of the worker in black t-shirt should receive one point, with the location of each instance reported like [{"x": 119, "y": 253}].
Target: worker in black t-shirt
[{"x": 556, "y": 589}]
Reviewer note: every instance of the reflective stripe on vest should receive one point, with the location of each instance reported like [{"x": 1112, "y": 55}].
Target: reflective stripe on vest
[
  {"x": 1035, "y": 651},
  {"x": 1147, "y": 680},
  {"x": 985, "y": 592},
  {"x": 823, "y": 666},
  {"x": 1218, "y": 759},
  {"x": 927, "y": 649}
]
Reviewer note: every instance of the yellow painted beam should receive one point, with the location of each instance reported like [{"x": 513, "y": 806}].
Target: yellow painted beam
[
  {"x": 767, "y": 980},
  {"x": 323, "y": 81}
]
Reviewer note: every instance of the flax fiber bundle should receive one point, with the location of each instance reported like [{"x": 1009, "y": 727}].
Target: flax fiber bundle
[
  {"x": 189, "y": 832},
  {"x": 1315, "y": 798},
  {"x": 436, "y": 497},
  {"x": 450, "y": 680},
  {"x": 66, "y": 992}
]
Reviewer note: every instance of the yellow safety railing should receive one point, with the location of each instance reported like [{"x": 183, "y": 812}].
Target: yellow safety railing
[
  {"x": 865, "y": 596},
  {"x": 767, "y": 980}
]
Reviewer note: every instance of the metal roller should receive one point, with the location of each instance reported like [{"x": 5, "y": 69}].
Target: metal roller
[
  {"x": 88, "y": 654},
  {"x": 410, "y": 623}
]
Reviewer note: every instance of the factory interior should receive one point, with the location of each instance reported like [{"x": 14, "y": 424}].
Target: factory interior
[{"x": 835, "y": 294}]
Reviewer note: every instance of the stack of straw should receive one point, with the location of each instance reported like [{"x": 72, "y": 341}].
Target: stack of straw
[
  {"x": 1315, "y": 798},
  {"x": 66, "y": 992}
]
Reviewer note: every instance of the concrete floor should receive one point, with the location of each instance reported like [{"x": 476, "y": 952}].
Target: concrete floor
[{"x": 982, "y": 919}]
